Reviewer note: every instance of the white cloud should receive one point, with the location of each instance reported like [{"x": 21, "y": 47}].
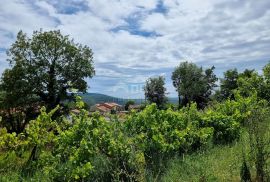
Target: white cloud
[
  {"x": 16, "y": 15},
  {"x": 228, "y": 32}
]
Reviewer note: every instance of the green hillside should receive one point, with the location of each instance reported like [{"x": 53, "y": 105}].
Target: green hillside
[{"x": 94, "y": 98}]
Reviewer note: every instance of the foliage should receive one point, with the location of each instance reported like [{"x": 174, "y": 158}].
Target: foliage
[
  {"x": 8, "y": 141},
  {"x": 193, "y": 84},
  {"x": 39, "y": 132},
  {"x": 239, "y": 109},
  {"x": 93, "y": 149},
  {"x": 43, "y": 69},
  {"x": 266, "y": 72},
  {"x": 161, "y": 133},
  {"x": 210, "y": 79},
  {"x": 227, "y": 117},
  {"x": 128, "y": 103},
  {"x": 155, "y": 91},
  {"x": 228, "y": 84},
  {"x": 248, "y": 85},
  {"x": 226, "y": 129},
  {"x": 258, "y": 129}
]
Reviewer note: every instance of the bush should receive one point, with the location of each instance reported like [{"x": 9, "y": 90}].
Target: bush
[
  {"x": 163, "y": 133},
  {"x": 95, "y": 150},
  {"x": 226, "y": 128}
]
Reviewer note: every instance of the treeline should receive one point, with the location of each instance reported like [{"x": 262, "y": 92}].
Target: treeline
[{"x": 195, "y": 84}]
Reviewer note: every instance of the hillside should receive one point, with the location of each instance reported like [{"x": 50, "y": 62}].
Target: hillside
[{"x": 93, "y": 98}]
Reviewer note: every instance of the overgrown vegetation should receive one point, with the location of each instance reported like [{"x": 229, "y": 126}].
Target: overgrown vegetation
[
  {"x": 91, "y": 148},
  {"x": 208, "y": 137}
]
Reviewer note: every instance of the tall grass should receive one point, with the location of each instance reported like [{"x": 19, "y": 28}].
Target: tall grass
[
  {"x": 11, "y": 169},
  {"x": 218, "y": 163}
]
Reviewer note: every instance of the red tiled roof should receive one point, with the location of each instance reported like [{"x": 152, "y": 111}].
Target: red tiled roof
[
  {"x": 109, "y": 105},
  {"x": 102, "y": 108}
]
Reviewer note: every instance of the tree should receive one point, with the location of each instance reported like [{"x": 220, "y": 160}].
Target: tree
[
  {"x": 44, "y": 68},
  {"x": 210, "y": 81},
  {"x": 128, "y": 103},
  {"x": 193, "y": 84},
  {"x": 266, "y": 72},
  {"x": 254, "y": 82},
  {"x": 247, "y": 85},
  {"x": 228, "y": 84},
  {"x": 155, "y": 91},
  {"x": 247, "y": 73},
  {"x": 266, "y": 75},
  {"x": 246, "y": 82}
]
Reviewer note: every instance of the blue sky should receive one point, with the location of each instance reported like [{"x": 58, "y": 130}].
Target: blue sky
[{"x": 134, "y": 40}]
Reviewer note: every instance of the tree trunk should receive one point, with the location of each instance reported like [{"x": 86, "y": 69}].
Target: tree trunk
[
  {"x": 179, "y": 101},
  {"x": 33, "y": 156},
  {"x": 51, "y": 87}
]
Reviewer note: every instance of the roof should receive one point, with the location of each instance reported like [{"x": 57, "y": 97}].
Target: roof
[
  {"x": 105, "y": 107},
  {"x": 102, "y": 108},
  {"x": 110, "y": 105}
]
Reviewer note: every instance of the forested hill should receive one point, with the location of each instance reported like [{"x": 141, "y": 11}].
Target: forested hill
[{"x": 93, "y": 98}]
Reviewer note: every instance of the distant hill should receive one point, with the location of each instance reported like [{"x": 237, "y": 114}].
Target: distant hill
[{"x": 94, "y": 98}]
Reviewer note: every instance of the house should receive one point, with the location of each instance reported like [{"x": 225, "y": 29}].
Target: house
[
  {"x": 107, "y": 107},
  {"x": 134, "y": 107},
  {"x": 103, "y": 109}
]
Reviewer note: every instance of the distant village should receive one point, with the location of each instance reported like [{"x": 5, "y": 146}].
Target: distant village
[{"x": 107, "y": 108}]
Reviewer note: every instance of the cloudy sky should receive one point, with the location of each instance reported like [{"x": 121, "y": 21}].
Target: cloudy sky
[{"x": 135, "y": 39}]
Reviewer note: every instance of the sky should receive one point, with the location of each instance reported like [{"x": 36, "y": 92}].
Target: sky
[{"x": 133, "y": 40}]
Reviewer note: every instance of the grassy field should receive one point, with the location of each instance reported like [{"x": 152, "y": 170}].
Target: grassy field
[{"x": 216, "y": 163}]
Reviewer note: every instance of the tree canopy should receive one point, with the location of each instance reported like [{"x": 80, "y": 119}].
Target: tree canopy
[
  {"x": 128, "y": 103},
  {"x": 193, "y": 83},
  {"x": 155, "y": 91},
  {"x": 44, "y": 68},
  {"x": 229, "y": 83}
]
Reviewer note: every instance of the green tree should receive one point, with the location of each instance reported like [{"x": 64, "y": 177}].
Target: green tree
[
  {"x": 210, "y": 81},
  {"x": 193, "y": 83},
  {"x": 43, "y": 69},
  {"x": 155, "y": 91},
  {"x": 128, "y": 103},
  {"x": 228, "y": 84},
  {"x": 251, "y": 81},
  {"x": 247, "y": 73},
  {"x": 266, "y": 72},
  {"x": 247, "y": 85},
  {"x": 266, "y": 75}
]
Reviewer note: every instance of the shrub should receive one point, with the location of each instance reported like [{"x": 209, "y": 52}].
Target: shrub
[
  {"x": 162, "y": 133},
  {"x": 226, "y": 128},
  {"x": 258, "y": 130},
  {"x": 94, "y": 149}
]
